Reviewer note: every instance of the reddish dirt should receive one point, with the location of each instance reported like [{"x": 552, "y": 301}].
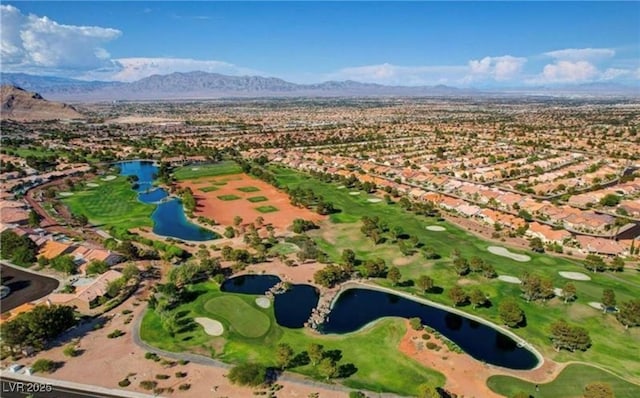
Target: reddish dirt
[
  {"x": 466, "y": 376},
  {"x": 223, "y": 212}
]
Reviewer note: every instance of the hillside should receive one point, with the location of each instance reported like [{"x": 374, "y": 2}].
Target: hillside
[{"x": 21, "y": 105}]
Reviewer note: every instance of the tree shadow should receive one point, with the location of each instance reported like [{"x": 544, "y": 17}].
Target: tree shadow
[
  {"x": 436, "y": 290},
  {"x": 300, "y": 360},
  {"x": 346, "y": 370},
  {"x": 407, "y": 283},
  {"x": 335, "y": 355}
]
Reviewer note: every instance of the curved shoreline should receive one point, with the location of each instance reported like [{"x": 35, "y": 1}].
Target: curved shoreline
[{"x": 519, "y": 340}]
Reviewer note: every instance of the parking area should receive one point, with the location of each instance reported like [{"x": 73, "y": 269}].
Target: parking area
[{"x": 25, "y": 287}]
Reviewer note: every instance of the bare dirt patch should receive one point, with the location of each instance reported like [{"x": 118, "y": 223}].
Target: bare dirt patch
[{"x": 209, "y": 205}]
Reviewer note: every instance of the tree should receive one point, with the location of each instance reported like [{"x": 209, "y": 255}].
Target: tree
[
  {"x": 569, "y": 292},
  {"x": 97, "y": 267},
  {"x": 19, "y": 249},
  {"x": 248, "y": 374},
  {"x": 510, "y": 312},
  {"x": 130, "y": 271},
  {"x": 284, "y": 355},
  {"x": 457, "y": 295},
  {"x": 316, "y": 353},
  {"x": 34, "y": 219},
  {"x": 416, "y": 323},
  {"x": 128, "y": 250},
  {"x": 629, "y": 314},
  {"x": 477, "y": 298},
  {"x": 348, "y": 259},
  {"x": 594, "y": 263},
  {"x": 608, "y": 299},
  {"x": 237, "y": 220},
  {"x": 617, "y": 264},
  {"x": 598, "y": 390},
  {"x": 64, "y": 264},
  {"x": 394, "y": 275},
  {"x": 36, "y": 327},
  {"x": 115, "y": 286},
  {"x": 229, "y": 232},
  {"x": 327, "y": 368},
  {"x": 424, "y": 283},
  {"x": 427, "y": 391},
  {"x": 461, "y": 266},
  {"x": 536, "y": 245},
  {"x": 569, "y": 337},
  {"x": 610, "y": 200},
  {"x": 43, "y": 365}
]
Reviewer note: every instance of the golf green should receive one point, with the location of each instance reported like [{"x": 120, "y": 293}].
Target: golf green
[{"x": 241, "y": 317}]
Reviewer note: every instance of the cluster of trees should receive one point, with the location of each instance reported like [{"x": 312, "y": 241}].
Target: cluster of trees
[
  {"x": 64, "y": 263},
  {"x": 192, "y": 272},
  {"x": 35, "y": 328},
  {"x": 510, "y": 313},
  {"x": 188, "y": 200},
  {"x": 421, "y": 208},
  {"x": 242, "y": 257},
  {"x": 300, "y": 225},
  {"x": 331, "y": 275},
  {"x": 97, "y": 267},
  {"x": 595, "y": 263},
  {"x": 374, "y": 228},
  {"x": 629, "y": 313},
  {"x": 308, "y": 249},
  {"x": 309, "y": 199},
  {"x": 475, "y": 265},
  {"x": 475, "y": 296},
  {"x": 566, "y": 336},
  {"x": 536, "y": 287},
  {"x": 18, "y": 249},
  {"x": 248, "y": 374}
]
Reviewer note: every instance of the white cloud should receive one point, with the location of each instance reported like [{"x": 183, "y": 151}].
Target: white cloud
[
  {"x": 30, "y": 42},
  {"x": 501, "y": 68},
  {"x": 390, "y": 74},
  {"x": 569, "y": 72},
  {"x": 615, "y": 73},
  {"x": 581, "y": 54},
  {"x": 130, "y": 69}
]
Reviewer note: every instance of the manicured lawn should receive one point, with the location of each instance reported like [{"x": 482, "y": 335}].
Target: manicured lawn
[
  {"x": 209, "y": 189},
  {"x": 242, "y": 317},
  {"x": 256, "y": 199},
  {"x": 569, "y": 384},
  {"x": 611, "y": 343},
  {"x": 228, "y": 197},
  {"x": 249, "y": 189},
  {"x": 112, "y": 204},
  {"x": 284, "y": 248},
  {"x": 206, "y": 170},
  {"x": 267, "y": 209},
  {"x": 373, "y": 351}
]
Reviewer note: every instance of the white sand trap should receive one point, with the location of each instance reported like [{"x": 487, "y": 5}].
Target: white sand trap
[
  {"x": 263, "y": 302},
  {"x": 510, "y": 279},
  {"x": 92, "y": 185},
  {"x": 65, "y": 193},
  {"x": 576, "y": 276},
  {"x": 211, "y": 326},
  {"x": 108, "y": 178},
  {"x": 501, "y": 251},
  {"x": 374, "y": 200},
  {"x": 195, "y": 168},
  {"x": 558, "y": 292},
  {"x": 354, "y": 193},
  {"x": 341, "y": 187},
  {"x": 596, "y": 305},
  {"x": 435, "y": 228}
]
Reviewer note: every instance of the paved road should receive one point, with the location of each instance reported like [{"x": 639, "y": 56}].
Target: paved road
[
  {"x": 25, "y": 286},
  {"x": 13, "y": 388}
]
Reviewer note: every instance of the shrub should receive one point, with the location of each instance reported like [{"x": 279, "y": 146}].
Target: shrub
[
  {"x": 181, "y": 374},
  {"x": 248, "y": 374},
  {"x": 183, "y": 362},
  {"x": 124, "y": 383},
  {"x": 126, "y": 312},
  {"x": 116, "y": 333},
  {"x": 152, "y": 355},
  {"x": 70, "y": 351},
  {"x": 43, "y": 366},
  {"x": 426, "y": 336},
  {"x": 162, "y": 377},
  {"x": 184, "y": 387},
  {"x": 148, "y": 384},
  {"x": 431, "y": 345},
  {"x": 416, "y": 323}
]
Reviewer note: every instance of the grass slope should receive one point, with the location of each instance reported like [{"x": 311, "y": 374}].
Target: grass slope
[
  {"x": 113, "y": 203},
  {"x": 373, "y": 351},
  {"x": 569, "y": 384},
  {"x": 611, "y": 342},
  {"x": 249, "y": 189},
  {"x": 267, "y": 209},
  {"x": 256, "y": 199},
  {"x": 206, "y": 170}
]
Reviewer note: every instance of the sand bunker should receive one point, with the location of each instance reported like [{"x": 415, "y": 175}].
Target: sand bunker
[
  {"x": 66, "y": 194},
  {"x": 354, "y": 193},
  {"x": 435, "y": 228},
  {"x": 596, "y": 305},
  {"x": 92, "y": 185},
  {"x": 341, "y": 187},
  {"x": 509, "y": 279},
  {"x": 501, "y": 251},
  {"x": 108, "y": 178},
  {"x": 263, "y": 302},
  {"x": 374, "y": 200},
  {"x": 195, "y": 168},
  {"x": 211, "y": 326},
  {"x": 576, "y": 276}
]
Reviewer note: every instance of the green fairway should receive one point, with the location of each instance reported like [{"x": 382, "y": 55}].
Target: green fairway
[
  {"x": 373, "y": 351},
  {"x": 256, "y": 199},
  {"x": 206, "y": 170},
  {"x": 569, "y": 384},
  {"x": 611, "y": 343},
  {"x": 228, "y": 197},
  {"x": 249, "y": 189},
  {"x": 267, "y": 209},
  {"x": 112, "y": 204},
  {"x": 241, "y": 317},
  {"x": 209, "y": 189}
]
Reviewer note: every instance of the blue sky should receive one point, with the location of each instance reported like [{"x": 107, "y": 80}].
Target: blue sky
[{"x": 480, "y": 44}]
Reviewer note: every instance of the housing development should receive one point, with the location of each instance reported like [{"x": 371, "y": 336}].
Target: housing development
[{"x": 198, "y": 234}]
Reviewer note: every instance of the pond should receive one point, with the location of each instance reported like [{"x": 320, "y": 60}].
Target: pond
[
  {"x": 355, "y": 308},
  {"x": 291, "y": 308},
  {"x": 168, "y": 218}
]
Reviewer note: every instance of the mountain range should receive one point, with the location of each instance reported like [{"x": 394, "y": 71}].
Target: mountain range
[{"x": 203, "y": 85}]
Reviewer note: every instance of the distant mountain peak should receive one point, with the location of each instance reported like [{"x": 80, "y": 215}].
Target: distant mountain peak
[{"x": 21, "y": 105}]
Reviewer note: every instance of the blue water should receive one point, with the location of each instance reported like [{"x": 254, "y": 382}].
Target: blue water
[
  {"x": 357, "y": 307},
  {"x": 291, "y": 308},
  {"x": 168, "y": 218}
]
